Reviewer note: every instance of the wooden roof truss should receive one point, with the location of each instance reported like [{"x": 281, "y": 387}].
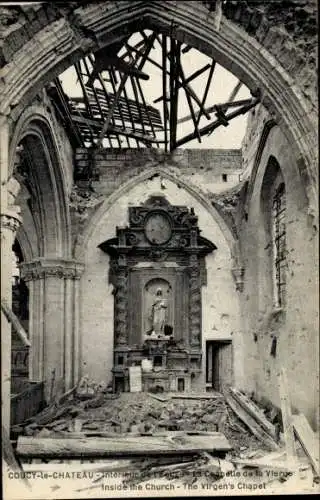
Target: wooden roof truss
[{"x": 105, "y": 116}]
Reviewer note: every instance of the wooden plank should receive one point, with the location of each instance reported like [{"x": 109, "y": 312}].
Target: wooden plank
[
  {"x": 116, "y": 130},
  {"x": 286, "y": 415},
  {"x": 122, "y": 104},
  {"x": 122, "y": 101},
  {"x": 196, "y": 396},
  {"x": 250, "y": 422},
  {"x": 119, "y": 90},
  {"x": 187, "y": 80},
  {"x": 96, "y": 97},
  {"x": 213, "y": 125},
  {"x": 254, "y": 411},
  {"x": 33, "y": 447},
  {"x": 106, "y": 94},
  {"x": 15, "y": 322},
  {"x": 308, "y": 440},
  {"x": 266, "y": 464},
  {"x": 164, "y": 90},
  {"x": 197, "y": 133},
  {"x": 112, "y": 466},
  {"x": 159, "y": 398},
  {"x": 7, "y": 451},
  {"x": 206, "y": 90}
]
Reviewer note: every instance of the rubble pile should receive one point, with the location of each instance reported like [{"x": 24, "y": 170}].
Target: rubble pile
[
  {"x": 91, "y": 412},
  {"x": 140, "y": 413}
]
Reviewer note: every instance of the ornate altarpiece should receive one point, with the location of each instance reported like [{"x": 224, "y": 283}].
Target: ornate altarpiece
[{"x": 161, "y": 249}]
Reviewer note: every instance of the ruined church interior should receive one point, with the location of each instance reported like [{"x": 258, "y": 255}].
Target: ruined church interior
[{"x": 159, "y": 223}]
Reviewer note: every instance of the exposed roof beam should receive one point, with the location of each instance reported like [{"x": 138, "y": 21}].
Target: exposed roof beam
[
  {"x": 212, "y": 126},
  {"x": 164, "y": 89},
  {"x": 117, "y": 95},
  {"x": 193, "y": 116},
  {"x": 206, "y": 90},
  {"x": 224, "y": 106},
  {"x": 188, "y": 80},
  {"x": 174, "y": 90},
  {"x": 116, "y": 130}
]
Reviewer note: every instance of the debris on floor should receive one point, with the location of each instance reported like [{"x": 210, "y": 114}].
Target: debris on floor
[{"x": 180, "y": 437}]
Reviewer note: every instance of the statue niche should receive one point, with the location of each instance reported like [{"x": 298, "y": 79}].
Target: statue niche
[{"x": 157, "y": 268}]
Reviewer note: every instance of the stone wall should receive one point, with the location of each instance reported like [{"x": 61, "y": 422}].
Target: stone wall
[
  {"x": 295, "y": 327},
  {"x": 220, "y": 312},
  {"x": 287, "y": 29}
]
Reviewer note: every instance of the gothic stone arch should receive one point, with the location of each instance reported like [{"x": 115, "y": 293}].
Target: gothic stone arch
[
  {"x": 35, "y": 132},
  {"x": 239, "y": 40}
]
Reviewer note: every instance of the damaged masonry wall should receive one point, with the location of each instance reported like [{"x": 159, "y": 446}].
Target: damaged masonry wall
[
  {"x": 129, "y": 178},
  {"x": 287, "y": 337},
  {"x": 264, "y": 339}
]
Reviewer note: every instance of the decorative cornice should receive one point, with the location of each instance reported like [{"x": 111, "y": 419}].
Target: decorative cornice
[
  {"x": 58, "y": 268},
  {"x": 10, "y": 220}
]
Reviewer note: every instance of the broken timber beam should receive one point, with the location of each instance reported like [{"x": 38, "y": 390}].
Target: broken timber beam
[
  {"x": 250, "y": 422},
  {"x": 307, "y": 439},
  {"x": 254, "y": 411},
  {"x": 121, "y": 446},
  {"x": 266, "y": 464},
  {"x": 16, "y": 325},
  {"x": 286, "y": 415},
  {"x": 116, "y": 130}
]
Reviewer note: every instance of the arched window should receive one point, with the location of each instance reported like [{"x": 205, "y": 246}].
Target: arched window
[
  {"x": 273, "y": 267},
  {"x": 279, "y": 244}
]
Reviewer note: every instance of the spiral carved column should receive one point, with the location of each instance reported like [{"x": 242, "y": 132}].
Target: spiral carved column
[
  {"x": 195, "y": 301},
  {"x": 121, "y": 302}
]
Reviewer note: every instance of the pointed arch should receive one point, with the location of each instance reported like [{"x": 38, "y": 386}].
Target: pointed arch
[
  {"x": 49, "y": 52},
  {"x": 83, "y": 239},
  {"x": 36, "y": 133}
]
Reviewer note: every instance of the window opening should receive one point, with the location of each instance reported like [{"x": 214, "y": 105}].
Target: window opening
[{"x": 279, "y": 245}]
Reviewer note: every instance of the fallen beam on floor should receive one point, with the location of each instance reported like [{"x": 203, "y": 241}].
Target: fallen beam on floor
[
  {"x": 267, "y": 464},
  {"x": 121, "y": 446},
  {"x": 196, "y": 396},
  {"x": 250, "y": 422},
  {"x": 307, "y": 439},
  {"x": 254, "y": 411}
]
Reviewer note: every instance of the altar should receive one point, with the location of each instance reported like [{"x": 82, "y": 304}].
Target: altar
[{"x": 157, "y": 269}]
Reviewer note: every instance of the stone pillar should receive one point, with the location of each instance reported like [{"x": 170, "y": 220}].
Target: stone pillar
[
  {"x": 54, "y": 322},
  {"x": 121, "y": 302},
  {"x": 10, "y": 222},
  {"x": 195, "y": 301}
]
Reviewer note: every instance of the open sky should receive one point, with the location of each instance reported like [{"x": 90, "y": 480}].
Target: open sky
[{"x": 222, "y": 84}]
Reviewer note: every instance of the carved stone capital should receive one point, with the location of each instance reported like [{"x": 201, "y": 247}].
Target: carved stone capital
[
  {"x": 10, "y": 220},
  {"x": 238, "y": 276},
  {"x": 58, "y": 268}
]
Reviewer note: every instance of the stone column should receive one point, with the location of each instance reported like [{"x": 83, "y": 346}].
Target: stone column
[
  {"x": 54, "y": 322},
  {"x": 195, "y": 301},
  {"x": 121, "y": 302},
  {"x": 10, "y": 222}
]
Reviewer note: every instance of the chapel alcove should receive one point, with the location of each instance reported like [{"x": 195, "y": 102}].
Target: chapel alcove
[{"x": 157, "y": 269}]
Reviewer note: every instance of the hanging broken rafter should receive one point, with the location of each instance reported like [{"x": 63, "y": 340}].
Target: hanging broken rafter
[{"x": 113, "y": 111}]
